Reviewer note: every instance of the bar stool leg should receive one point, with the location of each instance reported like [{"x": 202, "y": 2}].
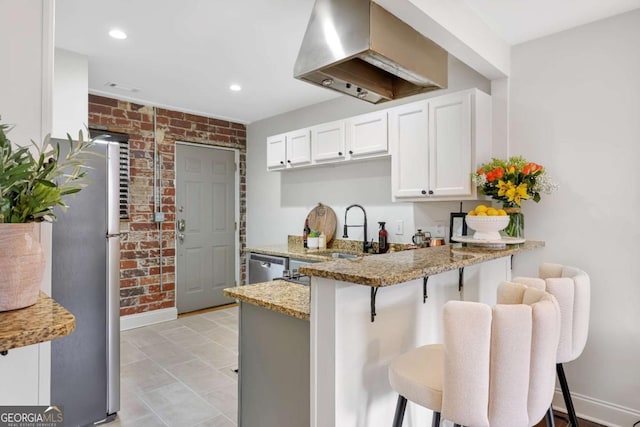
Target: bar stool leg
[
  {"x": 435, "y": 420},
  {"x": 566, "y": 395},
  {"x": 549, "y": 417},
  {"x": 400, "y": 407}
]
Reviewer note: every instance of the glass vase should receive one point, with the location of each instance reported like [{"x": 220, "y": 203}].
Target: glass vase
[{"x": 516, "y": 223}]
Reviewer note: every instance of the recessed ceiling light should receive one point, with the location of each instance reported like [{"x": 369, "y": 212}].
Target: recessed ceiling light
[
  {"x": 118, "y": 34},
  {"x": 235, "y": 87}
]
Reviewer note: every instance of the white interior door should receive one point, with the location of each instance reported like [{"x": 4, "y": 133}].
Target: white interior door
[{"x": 205, "y": 228}]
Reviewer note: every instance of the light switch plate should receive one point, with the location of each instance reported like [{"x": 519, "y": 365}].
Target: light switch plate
[{"x": 399, "y": 227}]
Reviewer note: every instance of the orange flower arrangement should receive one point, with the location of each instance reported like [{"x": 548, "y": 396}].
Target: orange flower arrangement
[{"x": 512, "y": 181}]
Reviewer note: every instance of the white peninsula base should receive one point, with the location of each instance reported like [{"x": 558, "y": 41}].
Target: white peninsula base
[{"x": 350, "y": 354}]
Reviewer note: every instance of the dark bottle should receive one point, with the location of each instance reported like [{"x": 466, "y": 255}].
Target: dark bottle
[
  {"x": 305, "y": 233},
  {"x": 383, "y": 245}
]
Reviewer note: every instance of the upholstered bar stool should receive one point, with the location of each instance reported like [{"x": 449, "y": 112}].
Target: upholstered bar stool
[
  {"x": 572, "y": 289},
  {"x": 495, "y": 366}
]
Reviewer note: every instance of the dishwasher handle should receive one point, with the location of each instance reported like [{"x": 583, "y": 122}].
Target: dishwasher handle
[
  {"x": 268, "y": 260},
  {"x": 265, "y": 264}
]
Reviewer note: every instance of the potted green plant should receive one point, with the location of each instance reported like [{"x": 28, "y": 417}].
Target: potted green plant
[
  {"x": 33, "y": 181},
  {"x": 312, "y": 239}
]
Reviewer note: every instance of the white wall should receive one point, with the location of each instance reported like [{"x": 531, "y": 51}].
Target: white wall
[
  {"x": 70, "y": 94},
  {"x": 26, "y": 43},
  {"x": 575, "y": 108},
  {"x": 26, "y": 39},
  {"x": 278, "y": 202}
]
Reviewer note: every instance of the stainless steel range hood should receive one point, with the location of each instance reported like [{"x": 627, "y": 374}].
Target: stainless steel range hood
[{"x": 358, "y": 48}]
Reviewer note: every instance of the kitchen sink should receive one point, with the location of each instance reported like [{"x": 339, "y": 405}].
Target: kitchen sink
[{"x": 343, "y": 255}]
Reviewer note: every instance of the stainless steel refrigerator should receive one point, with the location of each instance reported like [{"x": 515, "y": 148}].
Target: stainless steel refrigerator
[{"x": 85, "y": 365}]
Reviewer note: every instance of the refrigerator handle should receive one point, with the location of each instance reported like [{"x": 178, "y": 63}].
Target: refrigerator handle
[{"x": 113, "y": 326}]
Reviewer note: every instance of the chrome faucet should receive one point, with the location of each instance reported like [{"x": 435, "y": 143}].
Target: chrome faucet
[{"x": 365, "y": 244}]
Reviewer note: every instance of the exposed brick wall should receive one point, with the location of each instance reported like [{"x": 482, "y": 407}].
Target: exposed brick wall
[{"x": 140, "y": 288}]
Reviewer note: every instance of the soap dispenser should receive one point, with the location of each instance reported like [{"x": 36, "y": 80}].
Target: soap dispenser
[{"x": 383, "y": 245}]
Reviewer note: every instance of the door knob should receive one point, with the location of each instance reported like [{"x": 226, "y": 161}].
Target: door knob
[{"x": 181, "y": 225}]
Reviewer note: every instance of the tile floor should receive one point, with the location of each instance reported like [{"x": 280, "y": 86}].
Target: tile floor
[{"x": 180, "y": 373}]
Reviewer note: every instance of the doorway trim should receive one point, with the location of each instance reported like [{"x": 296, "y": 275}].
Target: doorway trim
[{"x": 236, "y": 159}]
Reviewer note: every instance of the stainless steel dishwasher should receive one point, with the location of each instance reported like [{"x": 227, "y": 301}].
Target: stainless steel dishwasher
[{"x": 264, "y": 268}]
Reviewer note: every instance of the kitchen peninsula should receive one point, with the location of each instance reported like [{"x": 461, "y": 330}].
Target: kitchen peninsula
[{"x": 362, "y": 313}]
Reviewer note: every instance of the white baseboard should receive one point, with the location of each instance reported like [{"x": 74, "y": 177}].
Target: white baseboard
[
  {"x": 137, "y": 320},
  {"x": 598, "y": 411}
]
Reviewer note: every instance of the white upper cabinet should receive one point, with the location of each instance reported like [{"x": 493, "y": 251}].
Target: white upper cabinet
[
  {"x": 409, "y": 138},
  {"x": 328, "y": 142},
  {"x": 450, "y": 146},
  {"x": 277, "y": 152},
  {"x": 359, "y": 137},
  {"x": 288, "y": 150},
  {"x": 298, "y": 147},
  {"x": 436, "y": 144},
  {"x": 367, "y": 135}
]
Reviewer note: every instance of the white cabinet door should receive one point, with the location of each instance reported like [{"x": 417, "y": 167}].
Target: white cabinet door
[
  {"x": 276, "y": 152},
  {"x": 367, "y": 135},
  {"x": 436, "y": 144},
  {"x": 298, "y": 147},
  {"x": 450, "y": 145},
  {"x": 19, "y": 371},
  {"x": 328, "y": 142},
  {"x": 409, "y": 140}
]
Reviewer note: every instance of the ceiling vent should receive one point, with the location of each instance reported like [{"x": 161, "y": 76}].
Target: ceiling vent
[{"x": 122, "y": 88}]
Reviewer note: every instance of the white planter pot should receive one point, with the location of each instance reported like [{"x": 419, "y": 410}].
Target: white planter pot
[{"x": 312, "y": 242}]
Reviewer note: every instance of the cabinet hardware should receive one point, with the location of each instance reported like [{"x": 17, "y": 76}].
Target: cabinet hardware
[
  {"x": 339, "y": 153},
  {"x": 424, "y": 192},
  {"x": 350, "y": 152}
]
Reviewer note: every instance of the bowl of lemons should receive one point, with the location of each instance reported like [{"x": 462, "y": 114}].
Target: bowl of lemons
[{"x": 487, "y": 222}]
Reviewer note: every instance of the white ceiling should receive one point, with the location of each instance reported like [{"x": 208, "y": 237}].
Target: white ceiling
[
  {"x": 518, "y": 21},
  {"x": 185, "y": 54}
]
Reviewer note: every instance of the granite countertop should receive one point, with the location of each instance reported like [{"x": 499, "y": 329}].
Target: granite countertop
[
  {"x": 44, "y": 321},
  {"x": 397, "y": 267},
  {"x": 284, "y": 297}
]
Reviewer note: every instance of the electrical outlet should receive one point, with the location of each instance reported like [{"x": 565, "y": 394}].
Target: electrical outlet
[{"x": 399, "y": 227}]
